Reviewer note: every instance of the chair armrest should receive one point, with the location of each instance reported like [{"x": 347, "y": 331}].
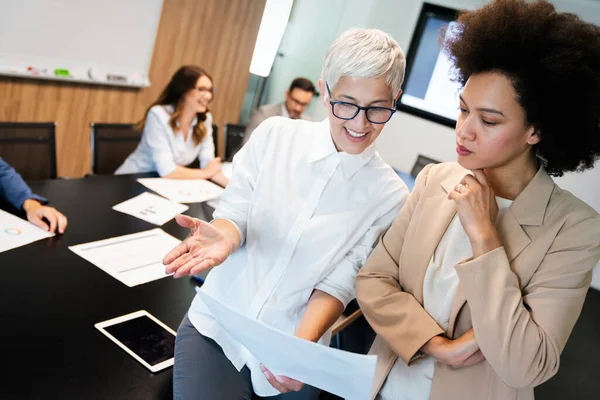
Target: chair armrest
[{"x": 343, "y": 322}]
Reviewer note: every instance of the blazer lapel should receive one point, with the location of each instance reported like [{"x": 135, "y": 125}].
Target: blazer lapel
[
  {"x": 514, "y": 240},
  {"x": 513, "y": 237},
  {"x": 434, "y": 219}
]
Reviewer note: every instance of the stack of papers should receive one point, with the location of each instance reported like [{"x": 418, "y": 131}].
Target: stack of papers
[
  {"x": 151, "y": 208},
  {"x": 16, "y": 232},
  {"x": 132, "y": 259},
  {"x": 345, "y": 374},
  {"x": 183, "y": 190}
]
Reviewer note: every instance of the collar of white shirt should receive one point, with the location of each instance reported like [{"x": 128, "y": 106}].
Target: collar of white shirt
[
  {"x": 170, "y": 110},
  {"x": 323, "y": 147}
]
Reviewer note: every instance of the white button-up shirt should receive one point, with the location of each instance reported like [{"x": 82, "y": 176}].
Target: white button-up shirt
[
  {"x": 309, "y": 216},
  {"x": 161, "y": 149}
]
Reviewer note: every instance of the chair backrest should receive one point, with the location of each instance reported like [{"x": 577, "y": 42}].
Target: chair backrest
[
  {"x": 111, "y": 145},
  {"x": 30, "y": 148},
  {"x": 234, "y": 139},
  {"x": 421, "y": 162},
  {"x": 215, "y": 134}
]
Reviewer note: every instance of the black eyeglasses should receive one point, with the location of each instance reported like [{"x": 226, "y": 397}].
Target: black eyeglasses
[{"x": 347, "y": 111}]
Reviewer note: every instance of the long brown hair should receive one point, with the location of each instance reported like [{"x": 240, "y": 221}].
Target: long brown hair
[{"x": 182, "y": 82}]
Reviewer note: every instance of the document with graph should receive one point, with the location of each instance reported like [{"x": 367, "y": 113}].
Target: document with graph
[
  {"x": 17, "y": 232},
  {"x": 183, "y": 190},
  {"x": 132, "y": 259},
  {"x": 151, "y": 208}
]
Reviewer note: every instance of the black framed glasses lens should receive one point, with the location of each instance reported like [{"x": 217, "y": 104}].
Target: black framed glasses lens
[
  {"x": 345, "y": 110},
  {"x": 379, "y": 115},
  {"x": 376, "y": 115}
]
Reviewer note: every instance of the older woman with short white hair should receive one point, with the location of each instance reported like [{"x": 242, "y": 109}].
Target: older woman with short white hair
[{"x": 308, "y": 200}]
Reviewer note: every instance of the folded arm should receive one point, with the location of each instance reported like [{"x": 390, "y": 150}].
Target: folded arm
[{"x": 523, "y": 332}]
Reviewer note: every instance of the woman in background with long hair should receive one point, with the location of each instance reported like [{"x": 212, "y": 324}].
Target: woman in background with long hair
[{"x": 177, "y": 129}]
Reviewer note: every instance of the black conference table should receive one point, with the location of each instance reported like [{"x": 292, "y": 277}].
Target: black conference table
[{"x": 51, "y": 299}]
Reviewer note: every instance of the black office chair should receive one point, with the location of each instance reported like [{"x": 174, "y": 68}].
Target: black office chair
[
  {"x": 421, "y": 162},
  {"x": 352, "y": 332},
  {"x": 30, "y": 147},
  {"x": 215, "y": 134},
  {"x": 111, "y": 145},
  {"x": 234, "y": 139}
]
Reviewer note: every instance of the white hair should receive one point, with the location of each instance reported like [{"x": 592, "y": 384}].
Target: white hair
[{"x": 365, "y": 53}]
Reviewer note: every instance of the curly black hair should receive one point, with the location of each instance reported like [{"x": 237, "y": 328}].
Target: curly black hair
[{"x": 553, "y": 61}]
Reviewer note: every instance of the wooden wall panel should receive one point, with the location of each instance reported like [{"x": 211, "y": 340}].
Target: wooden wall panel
[{"x": 218, "y": 35}]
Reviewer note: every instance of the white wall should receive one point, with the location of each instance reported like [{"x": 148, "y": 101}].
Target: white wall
[{"x": 315, "y": 24}]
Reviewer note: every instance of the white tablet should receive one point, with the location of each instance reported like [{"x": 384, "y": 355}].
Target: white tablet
[{"x": 144, "y": 337}]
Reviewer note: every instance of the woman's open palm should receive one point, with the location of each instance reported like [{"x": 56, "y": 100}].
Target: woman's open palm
[{"x": 205, "y": 247}]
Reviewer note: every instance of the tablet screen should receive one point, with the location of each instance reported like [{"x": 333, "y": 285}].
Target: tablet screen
[{"x": 150, "y": 341}]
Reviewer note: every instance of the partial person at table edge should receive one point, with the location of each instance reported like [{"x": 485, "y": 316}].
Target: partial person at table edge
[
  {"x": 18, "y": 194},
  {"x": 177, "y": 130}
]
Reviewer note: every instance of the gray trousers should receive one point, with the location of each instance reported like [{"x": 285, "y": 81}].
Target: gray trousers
[{"x": 202, "y": 371}]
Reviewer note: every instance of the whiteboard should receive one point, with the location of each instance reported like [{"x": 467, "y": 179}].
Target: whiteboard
[{"x": 107, "y": 42}]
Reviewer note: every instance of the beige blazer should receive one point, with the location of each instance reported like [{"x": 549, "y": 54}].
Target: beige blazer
[{"x": 522, "y": 299}]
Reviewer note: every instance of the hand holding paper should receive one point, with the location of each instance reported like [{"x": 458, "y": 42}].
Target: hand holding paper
[
  {"x": 339, "y": 372},
  {"x": 282, "y": 383}
]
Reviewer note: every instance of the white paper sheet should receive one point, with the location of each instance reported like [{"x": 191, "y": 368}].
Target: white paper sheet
[
  {"x": 183, "y": 190},
  {"x": 16, "y": 232},
  {"x": 339, "y": 372},
  {"x": 151, "y": 208},
  {"x": 132, "y": 259}
]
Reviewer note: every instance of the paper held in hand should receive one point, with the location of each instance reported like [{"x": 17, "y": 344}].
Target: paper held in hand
[{"x": 345, "y": 374}]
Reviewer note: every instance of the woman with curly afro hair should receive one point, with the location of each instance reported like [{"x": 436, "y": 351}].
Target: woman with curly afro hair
[{"x": 475, "y": 288}]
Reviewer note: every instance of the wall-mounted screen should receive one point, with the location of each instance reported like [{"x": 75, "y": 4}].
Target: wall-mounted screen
[{"x": 428, "y": 91}]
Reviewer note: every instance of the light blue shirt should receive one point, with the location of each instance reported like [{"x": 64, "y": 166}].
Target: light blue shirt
[{"x": 12, "y": 187}]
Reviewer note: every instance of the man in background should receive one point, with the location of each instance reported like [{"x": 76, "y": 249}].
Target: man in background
[
  {"x": 15, "y": 191},
  {"x": 297, "y": 99}
]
